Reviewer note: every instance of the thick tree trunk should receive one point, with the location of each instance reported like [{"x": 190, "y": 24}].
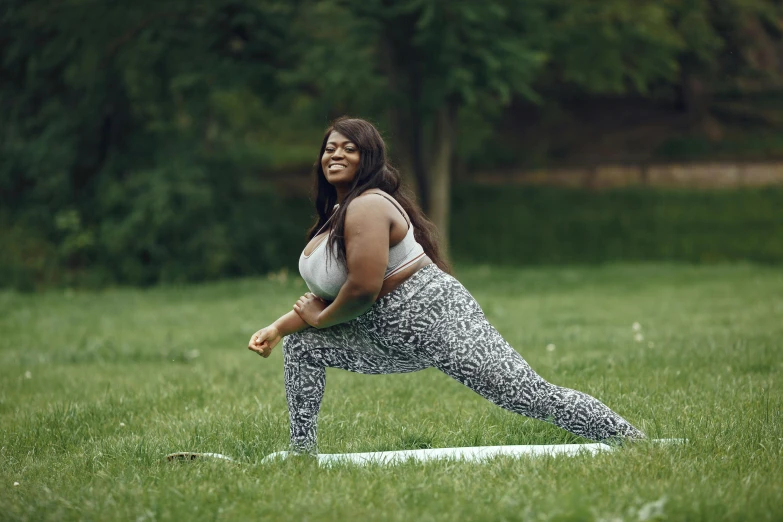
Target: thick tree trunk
[
  {"x": 419, "y": 161},
  {"x": 401, "y": 153},
  {"x": 409, "y": 158},
  {"x": 423, "y": 144},
  {"x": 440, "y": 173},
  {"x": 695, "y": 98},
  {"x": 405, "y": 78}
]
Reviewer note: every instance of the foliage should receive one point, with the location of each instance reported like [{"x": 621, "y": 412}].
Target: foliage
[
  {"x": 131, "y": 132},
  {"x": 613, "y": 46}
]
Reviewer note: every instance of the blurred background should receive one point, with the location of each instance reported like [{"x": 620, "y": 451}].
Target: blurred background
[{"x": 168, "y": 141}]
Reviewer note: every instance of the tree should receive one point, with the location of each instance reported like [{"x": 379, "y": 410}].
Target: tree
[
  {"x": 731, "y": 45},
  {"x": 134, "y": 135},
  {"x": 127, "y": 129},
  {"x": 440, "y": 58},
  {"x": 426, "y": 60}
]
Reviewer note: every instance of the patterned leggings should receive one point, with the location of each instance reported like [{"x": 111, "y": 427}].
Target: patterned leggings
[{"x": 432, "y": 320}]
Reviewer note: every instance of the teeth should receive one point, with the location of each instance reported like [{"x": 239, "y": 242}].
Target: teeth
[{"x": 336, "y": 167}]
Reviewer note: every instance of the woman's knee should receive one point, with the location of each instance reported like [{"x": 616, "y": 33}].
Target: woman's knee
[
  {"x": 292, "y": 344},
  {"x": 289, "y": 340},
  {"x": 297, "y": 344}
]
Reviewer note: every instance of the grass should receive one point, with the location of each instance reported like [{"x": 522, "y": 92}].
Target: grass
[{"x": 95, "y": 388}]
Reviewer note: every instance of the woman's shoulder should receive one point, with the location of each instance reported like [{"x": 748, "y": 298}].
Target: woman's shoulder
[
  {"x": 377, "y": 192},
  {"x": 365, "y": 205},
  {"x": 372, "y": 198}
]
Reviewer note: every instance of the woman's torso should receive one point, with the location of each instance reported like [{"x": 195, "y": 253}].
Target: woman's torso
[{"x": 398, "y": 231}]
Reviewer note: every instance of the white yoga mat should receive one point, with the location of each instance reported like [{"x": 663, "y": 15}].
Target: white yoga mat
[{"x": 469, "y": 454}]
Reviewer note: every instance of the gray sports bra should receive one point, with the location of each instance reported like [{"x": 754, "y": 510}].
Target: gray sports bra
[{"x": 325, "y": 279}]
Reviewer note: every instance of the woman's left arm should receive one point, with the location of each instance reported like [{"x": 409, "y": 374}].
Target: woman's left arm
[{"x": 367, "y": 228}]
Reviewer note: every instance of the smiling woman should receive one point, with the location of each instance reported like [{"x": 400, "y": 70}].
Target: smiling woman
[
  {"x": 340, "y": 161},
  {"x": 382, "y": 301}
]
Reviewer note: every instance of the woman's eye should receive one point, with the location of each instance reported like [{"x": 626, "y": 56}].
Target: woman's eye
[
  {"x": 349, "y": 149},
  {"x": 329, "y": 150}
]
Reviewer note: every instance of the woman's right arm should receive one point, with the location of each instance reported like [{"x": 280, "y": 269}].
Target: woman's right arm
[
  {"x": 265, "y": 339},
  {"x": 290, "y": 323}
]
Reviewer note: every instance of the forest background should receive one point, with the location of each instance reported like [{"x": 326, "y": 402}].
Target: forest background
[{"x": 146, "y": 142}]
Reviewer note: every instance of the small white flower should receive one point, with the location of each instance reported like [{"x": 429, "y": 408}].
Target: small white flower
[
  {"x": 550, "y": 347},
  {"x": 636, "y": 327},
  {"x": 122, "y": 425},
  {"x": 16, "y": 483},
  {"x": 638, "y": 338},
  {"x": 28, "y": 374}
]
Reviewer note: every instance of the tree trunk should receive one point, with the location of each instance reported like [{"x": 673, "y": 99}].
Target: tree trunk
[
  {"x": 410, "y": 132},
  {"x": 401, "y": 153},
  {"x": 440, "y": 173},
  {"x": 405, "y": 78},
  {"x": 695, "y": 98},
  {"x": 418, "y": 160}
]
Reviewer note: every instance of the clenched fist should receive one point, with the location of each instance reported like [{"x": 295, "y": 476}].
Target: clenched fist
[{"x": 264, "y": 340}]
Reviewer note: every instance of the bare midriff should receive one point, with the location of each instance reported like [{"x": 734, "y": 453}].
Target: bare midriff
[{"x": 391, "y": 284}]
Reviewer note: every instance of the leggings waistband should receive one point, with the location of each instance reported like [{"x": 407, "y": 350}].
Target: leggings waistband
[{"x": 410, "y": 286}]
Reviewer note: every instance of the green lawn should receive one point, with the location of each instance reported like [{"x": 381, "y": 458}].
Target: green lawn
[{"x": 95, "y": 388}]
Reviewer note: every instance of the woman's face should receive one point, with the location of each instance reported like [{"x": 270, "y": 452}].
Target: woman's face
[{"x": 340, "y": 161}]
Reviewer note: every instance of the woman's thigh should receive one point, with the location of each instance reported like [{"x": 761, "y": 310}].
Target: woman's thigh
[
  {"x": 349, "y": 346},
  {"x": 452, "y": 334},
  {"x": 407, "y": 319}
]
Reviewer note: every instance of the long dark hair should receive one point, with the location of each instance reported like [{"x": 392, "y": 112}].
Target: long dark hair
[{"x": 375, "y": 172}]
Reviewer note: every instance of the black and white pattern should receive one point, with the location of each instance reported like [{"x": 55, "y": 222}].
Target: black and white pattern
[{"x": 431, "y": 320}]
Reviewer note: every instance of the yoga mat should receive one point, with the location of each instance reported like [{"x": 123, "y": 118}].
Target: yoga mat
[
  {"x": 469, "y": 454},
  {"x": 478, "y": 453}
]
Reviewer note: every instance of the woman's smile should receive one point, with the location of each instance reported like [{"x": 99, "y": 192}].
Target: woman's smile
[{"x": 340, "y": 160}]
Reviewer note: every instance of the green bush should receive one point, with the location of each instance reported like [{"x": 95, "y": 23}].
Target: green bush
[
  {"x": 524, "y": 225},
  {"x": 189, "y": 225},
  {"x": 158, "y": 227}
]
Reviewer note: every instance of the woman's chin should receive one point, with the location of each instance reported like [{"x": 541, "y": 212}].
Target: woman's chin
[{"x": 339, "y": 179}]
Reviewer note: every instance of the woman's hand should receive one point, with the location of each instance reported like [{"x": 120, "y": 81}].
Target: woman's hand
[
  {"x": 309, "y": 307},
  {"x": 264, "y": 340}
]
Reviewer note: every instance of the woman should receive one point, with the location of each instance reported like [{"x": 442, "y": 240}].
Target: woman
[{"x": 381, "y": 300}]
